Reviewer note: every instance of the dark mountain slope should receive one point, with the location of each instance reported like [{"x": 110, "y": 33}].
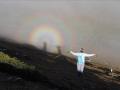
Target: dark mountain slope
[{"x": 53, "y": 71}]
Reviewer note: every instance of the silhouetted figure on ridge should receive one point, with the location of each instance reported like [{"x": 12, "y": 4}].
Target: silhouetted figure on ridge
[
  {"x": 45, "y": 46},
  {"x": 59, "y": 50}
]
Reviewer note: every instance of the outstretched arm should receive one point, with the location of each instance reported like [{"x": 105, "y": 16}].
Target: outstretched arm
[
  {"x": 89, "y": 55},
  {"x": 73, "y": 53}
]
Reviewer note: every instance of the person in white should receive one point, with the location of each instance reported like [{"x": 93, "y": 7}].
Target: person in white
[{"x": 81, "y": 60}]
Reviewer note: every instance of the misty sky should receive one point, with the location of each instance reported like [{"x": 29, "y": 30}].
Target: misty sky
[{"x": 93, "y": 25}]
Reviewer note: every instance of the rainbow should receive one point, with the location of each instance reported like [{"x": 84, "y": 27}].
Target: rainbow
[
  {"x": 46, "y": 34},
  {"x": 38, "y": 29}
]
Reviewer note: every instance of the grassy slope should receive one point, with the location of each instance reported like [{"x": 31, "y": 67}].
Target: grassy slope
[{"x": 4, "y": 58}]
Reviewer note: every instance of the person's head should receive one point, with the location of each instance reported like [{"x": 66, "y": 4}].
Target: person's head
[{"x": 82, "y": 50}]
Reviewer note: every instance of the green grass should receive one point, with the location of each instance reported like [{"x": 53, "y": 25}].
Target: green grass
[{"x": 4, "y": 58}]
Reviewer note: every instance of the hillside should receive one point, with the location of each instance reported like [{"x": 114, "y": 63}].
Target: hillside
[{"x": 52, "y": 71}]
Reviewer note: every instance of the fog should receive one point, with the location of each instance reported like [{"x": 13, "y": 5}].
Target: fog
[{"x": 93, "y": 25}]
